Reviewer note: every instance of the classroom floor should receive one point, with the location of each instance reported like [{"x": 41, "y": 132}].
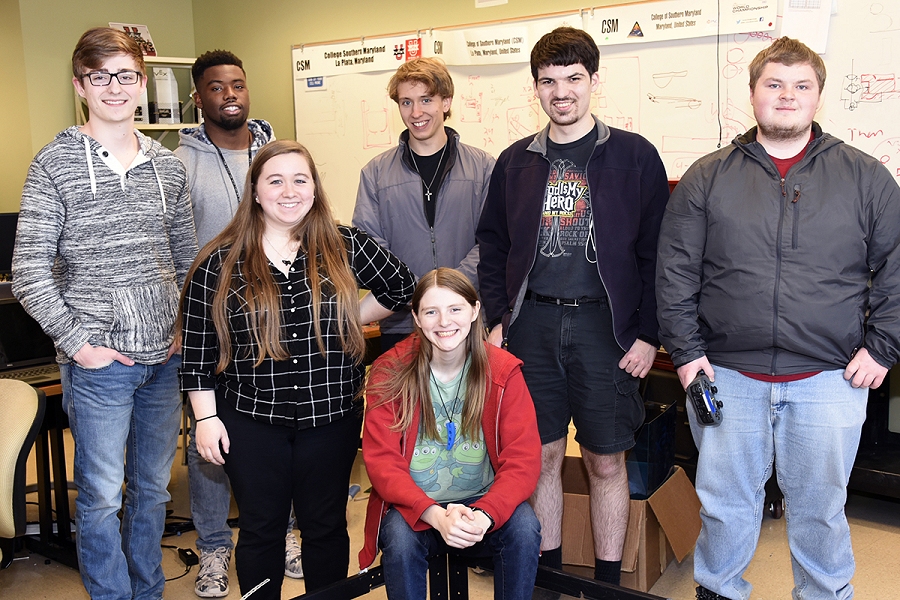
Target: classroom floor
[{"x": 875, "y": 527}]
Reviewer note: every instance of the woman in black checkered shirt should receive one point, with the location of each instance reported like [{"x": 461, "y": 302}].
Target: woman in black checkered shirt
[{"x": 273, "y": 347}]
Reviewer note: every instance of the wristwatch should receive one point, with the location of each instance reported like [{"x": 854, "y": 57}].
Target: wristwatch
[{"x": 490, "y": 518}]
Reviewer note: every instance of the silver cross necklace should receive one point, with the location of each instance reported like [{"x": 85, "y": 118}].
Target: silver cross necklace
[{"x": 428, "y": 193}]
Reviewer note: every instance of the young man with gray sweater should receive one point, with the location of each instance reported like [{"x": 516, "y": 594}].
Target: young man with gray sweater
[{"x": 105, "y": 239}]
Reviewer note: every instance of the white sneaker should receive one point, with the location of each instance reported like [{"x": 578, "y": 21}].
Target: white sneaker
[
  {"x": 293, "y": 566},
  {"x": 212, "y": 580}
]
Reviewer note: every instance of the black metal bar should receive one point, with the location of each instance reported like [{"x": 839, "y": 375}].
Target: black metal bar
[
  {"x": 573, "y": 585},
  {"x": 459, "y": 576},
  {"x": 437, "y": 577},
  {"x": 60, "y": 483},
  {"x": 45, "y": 499},
  {"x": 547, "y": 578},
  {"x": 352, "y": 587}
]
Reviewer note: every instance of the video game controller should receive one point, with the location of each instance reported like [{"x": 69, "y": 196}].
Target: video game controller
[{"x": 702, "y": 395}]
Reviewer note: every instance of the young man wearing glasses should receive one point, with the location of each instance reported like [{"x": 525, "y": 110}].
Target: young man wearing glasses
[{"x": 105, "y": 238}]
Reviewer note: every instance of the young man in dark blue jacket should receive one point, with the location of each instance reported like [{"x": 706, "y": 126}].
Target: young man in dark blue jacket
[
  {"x": 568, "y": 255},
  {"x": 779, "y": 277}
]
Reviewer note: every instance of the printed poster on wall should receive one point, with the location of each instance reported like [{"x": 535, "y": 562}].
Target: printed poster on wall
[
  {"x": 495, "y": 44},
  {"x": 678, "y": 19},
  {"x": 511, "y": 43},
  {"x": 500, "y": 44},
  {"x": 358, "y": 56}
]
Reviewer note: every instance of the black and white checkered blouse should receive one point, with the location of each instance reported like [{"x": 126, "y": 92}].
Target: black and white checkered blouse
[{"x": 308, "y": 389}]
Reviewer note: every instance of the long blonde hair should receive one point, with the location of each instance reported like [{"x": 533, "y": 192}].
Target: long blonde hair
[
  {"x": 327, "y": 259},
  {"x": 408, "y": 377}
]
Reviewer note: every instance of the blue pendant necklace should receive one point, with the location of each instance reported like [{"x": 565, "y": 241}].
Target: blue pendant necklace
[{"x": 451, "y": 426}]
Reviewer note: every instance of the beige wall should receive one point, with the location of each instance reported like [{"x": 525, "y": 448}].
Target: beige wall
[
  {"x": 36, "y": 42},
  {"x": 15, "y": 151},
  {"x": 262, "y": 34}
]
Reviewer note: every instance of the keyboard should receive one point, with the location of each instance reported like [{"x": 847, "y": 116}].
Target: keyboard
[{"x": 44, "y": 373}]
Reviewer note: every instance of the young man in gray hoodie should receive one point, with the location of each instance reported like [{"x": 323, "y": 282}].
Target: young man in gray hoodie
[
  {"x": 217, "y": 155},
  {"x": 105, "y": 239}
]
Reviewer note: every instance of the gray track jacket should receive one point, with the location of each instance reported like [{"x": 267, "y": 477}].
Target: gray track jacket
[{"x": 389, "y": 208}]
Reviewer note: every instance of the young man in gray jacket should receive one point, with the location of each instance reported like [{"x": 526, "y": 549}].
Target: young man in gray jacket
[
  {"x": 421, "y": 200},
  {"x": 104, "y": 241},
  {"x": 779, "y": 277},
  {"x": 218, "y": 153}
]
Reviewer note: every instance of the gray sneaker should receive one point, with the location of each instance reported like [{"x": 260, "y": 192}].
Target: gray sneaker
[
  {"x": 212, "y": 580},
  {"x": 293, "y": 566}
]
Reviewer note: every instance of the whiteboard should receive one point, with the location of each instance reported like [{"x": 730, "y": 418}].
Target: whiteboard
[{"x": 677, "y": 94}]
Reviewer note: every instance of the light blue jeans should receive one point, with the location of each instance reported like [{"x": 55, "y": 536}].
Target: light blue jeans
[
  {"x": 125, "y": 424},
  {"x": 810, "y": 429},
  {"x": 210, "y": 496}
]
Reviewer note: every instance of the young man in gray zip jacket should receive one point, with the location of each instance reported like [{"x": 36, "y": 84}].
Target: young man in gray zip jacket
[
  {"x": 422, "y": 199},
  {"x": 771, "y": 254},
  {"x": 104, "y": 241}
]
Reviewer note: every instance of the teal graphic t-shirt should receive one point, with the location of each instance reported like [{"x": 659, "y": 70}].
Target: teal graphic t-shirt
[{"x": 462, "y": 471}]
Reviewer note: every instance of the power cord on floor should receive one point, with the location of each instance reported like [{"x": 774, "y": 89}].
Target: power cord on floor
[{"x": 187, "y": 556}]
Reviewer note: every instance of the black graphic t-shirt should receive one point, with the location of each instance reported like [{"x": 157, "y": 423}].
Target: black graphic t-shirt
[{"x": 565, "y": 264}]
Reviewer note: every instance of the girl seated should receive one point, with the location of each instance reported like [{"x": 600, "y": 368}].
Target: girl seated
[{"x": 452, "y": 448}]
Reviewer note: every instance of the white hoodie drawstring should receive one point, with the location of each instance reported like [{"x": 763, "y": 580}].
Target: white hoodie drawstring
[
  {"x": 90, "y": 165},
  {"x": 162, "y": 194}
]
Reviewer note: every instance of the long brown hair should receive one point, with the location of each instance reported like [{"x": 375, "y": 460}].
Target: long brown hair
[
  {"x": 326, "y": 253},
  {"x": 408, "y": 377}
]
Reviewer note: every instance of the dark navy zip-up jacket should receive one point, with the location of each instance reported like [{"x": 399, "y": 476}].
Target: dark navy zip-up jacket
[{"x": 629, "y": 191}]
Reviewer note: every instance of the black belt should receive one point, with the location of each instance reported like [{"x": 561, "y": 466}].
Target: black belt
[{"x": 529, "y": 295}]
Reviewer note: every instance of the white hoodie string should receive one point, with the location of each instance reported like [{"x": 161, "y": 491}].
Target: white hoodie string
[
  {"x": 90, "y": 165},
  {"x": 88, "y": 155},
  {"x": 159, "y": 183}
]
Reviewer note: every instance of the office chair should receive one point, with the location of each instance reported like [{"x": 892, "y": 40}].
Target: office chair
[{"x": 21, "y": 414}]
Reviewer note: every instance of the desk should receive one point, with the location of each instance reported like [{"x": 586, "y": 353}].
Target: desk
[{"x": 59, "y": 545}]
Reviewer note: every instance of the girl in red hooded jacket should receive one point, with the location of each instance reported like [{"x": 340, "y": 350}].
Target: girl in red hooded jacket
[{"x": 451, "y": 447}]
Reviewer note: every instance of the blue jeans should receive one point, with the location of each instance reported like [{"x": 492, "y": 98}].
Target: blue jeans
[
  {"x": 210, "y": 496},
  {"x": 125, "y": 424},
  {"x": 515, "y": 548},
  {"x": 810, "y": 429}
]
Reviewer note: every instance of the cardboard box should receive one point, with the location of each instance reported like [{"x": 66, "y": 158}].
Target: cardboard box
[{"x": 663, "y": 527}]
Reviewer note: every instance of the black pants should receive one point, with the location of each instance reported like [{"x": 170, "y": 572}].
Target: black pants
[{"x": 271, "y": 466}]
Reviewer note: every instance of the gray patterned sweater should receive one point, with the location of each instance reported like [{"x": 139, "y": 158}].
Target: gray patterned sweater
[{"x": 100, "y": 257}]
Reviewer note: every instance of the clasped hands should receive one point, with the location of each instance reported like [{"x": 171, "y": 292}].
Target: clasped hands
[{"x": 458, "y": 524}]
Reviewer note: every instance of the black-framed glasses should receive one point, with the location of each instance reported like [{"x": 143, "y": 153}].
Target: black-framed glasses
[{"x": 102, "y": 78}]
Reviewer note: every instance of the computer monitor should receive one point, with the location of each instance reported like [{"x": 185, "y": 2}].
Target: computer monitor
[{"x": 8, "y": 222}]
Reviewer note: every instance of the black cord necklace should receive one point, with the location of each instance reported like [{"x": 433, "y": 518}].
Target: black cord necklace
[
  {"x": 237, "y": 193},
  {"x": 451, "y": 426}
]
